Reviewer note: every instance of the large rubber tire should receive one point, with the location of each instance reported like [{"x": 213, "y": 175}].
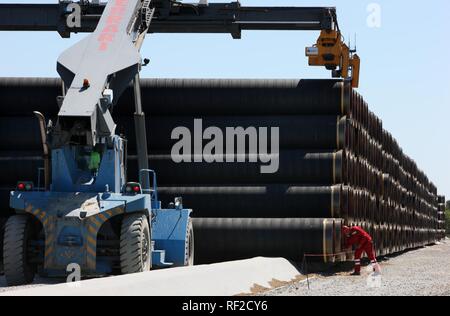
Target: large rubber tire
[
  {"x": 135, "y": 244},
  {"x": 2, "y": 230},
  {"x": 189, "y": 256},
  {"x": 18, "y": 271}
]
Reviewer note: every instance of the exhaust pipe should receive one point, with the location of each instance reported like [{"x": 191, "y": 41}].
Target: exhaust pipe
[{"x": 46, "y": 156}]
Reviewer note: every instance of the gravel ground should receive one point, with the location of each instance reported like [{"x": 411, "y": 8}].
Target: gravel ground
[
  {"x": 37, "y": 282},
  {"x": 423, "y": 272}
]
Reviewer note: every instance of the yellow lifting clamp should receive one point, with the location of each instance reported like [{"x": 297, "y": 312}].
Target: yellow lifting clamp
[{"x": 331, "y": 51}]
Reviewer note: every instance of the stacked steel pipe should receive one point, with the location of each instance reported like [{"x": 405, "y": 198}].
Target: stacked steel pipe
[
  {"x": 336, "y": 165},
  {"x": 441, "y": 217}
]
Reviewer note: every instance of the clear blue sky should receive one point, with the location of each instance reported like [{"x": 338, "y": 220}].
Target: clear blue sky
[{"x": 405, "y": 65}]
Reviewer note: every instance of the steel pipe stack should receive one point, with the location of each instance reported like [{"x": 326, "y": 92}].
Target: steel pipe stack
[
  {"x": 337, "y": 165},
  {"x": 441, "y": 217}
]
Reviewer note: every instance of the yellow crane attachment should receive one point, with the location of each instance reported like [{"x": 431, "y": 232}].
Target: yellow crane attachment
[{"x": 331, "y": 51}]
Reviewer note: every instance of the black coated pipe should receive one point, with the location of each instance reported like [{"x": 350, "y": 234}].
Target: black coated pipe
[
  {"x": 295, "y": 167},
  {"x": 295, "y": 132},
  {"x": 401, "y": 209},
  {"x": 271, "y": 201},
  {"x": 4, "y": 202},
  {"x": 222, "y": 239},
  {"x": 20, "y": 166},
  {"x": 318, "y": 132},
  {"x": 21, "y": 96},
  {"x": 2, "y": 230}
]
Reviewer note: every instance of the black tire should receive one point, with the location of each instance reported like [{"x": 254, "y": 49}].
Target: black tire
[
  {"x": 18, "y": 271},
  {"x": 189, "y": 257},
  {"x": 135, "y": 244}
]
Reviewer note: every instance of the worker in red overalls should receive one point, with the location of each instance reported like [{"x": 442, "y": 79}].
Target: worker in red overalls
[{"x": 356, "y": 236}]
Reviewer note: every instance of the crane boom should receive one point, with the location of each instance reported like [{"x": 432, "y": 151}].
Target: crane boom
[{"x": 98, "y": 69}]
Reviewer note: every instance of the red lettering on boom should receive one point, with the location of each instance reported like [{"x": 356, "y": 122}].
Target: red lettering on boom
[{"x": 112, "y": 24}]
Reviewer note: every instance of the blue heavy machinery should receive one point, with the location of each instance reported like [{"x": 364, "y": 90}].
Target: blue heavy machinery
[
  {"x": 85, "y": 212},
  {"x": 87, "y": 215}
]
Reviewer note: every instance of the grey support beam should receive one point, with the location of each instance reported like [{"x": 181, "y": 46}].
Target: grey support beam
[
  {"x": 46, "y": 17},
  {"x": 213, "y": 18},
  {"x": 29, "y": 17}
]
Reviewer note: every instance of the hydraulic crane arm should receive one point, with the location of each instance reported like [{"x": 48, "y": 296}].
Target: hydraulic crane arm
[{"x": 98, "y": 69}]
